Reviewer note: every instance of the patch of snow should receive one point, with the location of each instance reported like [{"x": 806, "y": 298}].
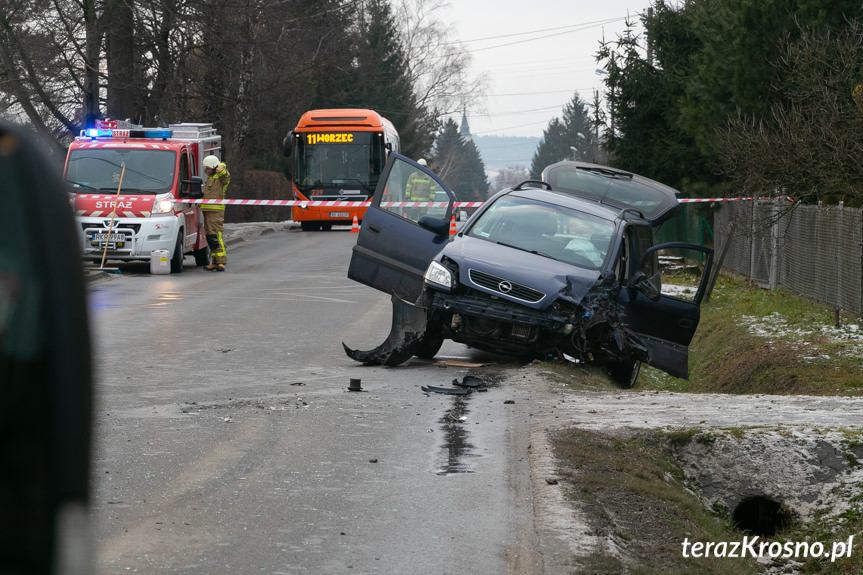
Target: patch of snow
[
  {"x": 679, "y": 291},
  {"x": 775, "y": 327}
]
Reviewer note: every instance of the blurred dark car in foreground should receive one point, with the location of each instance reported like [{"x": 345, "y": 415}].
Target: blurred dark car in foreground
[{"x": 565, "y": 267}]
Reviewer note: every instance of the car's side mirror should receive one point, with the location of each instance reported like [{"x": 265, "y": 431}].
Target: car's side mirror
[
  {"x": 435, "y": 225},
  {"x": 45, "y": 361},
  {"x": 645, "y": 285},
  {"x": 287, "y": 143},
  {"x": 196, "y": 188}
]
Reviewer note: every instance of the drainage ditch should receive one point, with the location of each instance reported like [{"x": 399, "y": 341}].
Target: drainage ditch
[{"x": 766, "y": 480}]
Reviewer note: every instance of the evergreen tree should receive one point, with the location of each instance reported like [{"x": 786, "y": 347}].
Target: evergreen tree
[
  {"x": 567, "y": 138},
  {"x": 708, "y": 63},
  {"x": 457, "y": 161},
  {"x": 379, "y": 79}
]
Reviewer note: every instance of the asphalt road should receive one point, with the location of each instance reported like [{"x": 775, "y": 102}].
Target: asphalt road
[{"x": 227, "y": 441}]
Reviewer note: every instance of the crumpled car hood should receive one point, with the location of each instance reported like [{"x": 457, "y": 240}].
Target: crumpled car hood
[{"x": 554, "y": 278}]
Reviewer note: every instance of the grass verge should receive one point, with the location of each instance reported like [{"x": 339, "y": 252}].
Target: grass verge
[{"x": 752, "y": 340}]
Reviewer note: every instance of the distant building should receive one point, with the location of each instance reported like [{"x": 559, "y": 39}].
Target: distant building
[{"x": 464, "y": 130}]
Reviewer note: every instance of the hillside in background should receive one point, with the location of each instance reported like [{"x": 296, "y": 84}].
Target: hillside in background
[{"x": 499, "y": 152}]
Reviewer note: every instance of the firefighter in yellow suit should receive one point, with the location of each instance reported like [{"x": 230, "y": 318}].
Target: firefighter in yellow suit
[
  {"x": 418, "y": 189},
  {"x": 217, "y": 182}
]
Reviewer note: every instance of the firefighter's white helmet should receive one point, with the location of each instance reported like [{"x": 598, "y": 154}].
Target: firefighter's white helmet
[
  {"x": 422, "y": 162},
  {"x": 211, "y": 162}
]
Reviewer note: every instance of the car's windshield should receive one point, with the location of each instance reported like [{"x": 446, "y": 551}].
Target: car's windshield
[
  {"x": 348, "y": 161},
  {"x": 546, "y": 229},
  {"x": 100, "y": 170}
]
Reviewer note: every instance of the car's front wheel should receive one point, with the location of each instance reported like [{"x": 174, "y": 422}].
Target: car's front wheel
[
  {"x": 177, "y": 257},
  {"x": 626, "y": 372},
  {"x": 429, "y": 344}
]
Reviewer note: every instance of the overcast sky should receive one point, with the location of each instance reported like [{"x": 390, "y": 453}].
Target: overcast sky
[{"x": 536, "y": 54}]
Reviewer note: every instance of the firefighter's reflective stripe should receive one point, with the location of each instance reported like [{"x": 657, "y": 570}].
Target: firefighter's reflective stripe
[
  {"x": 217, "y": 247},
  {"x": 418, "y": 188}
]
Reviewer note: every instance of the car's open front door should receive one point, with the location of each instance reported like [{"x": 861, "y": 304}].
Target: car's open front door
[
  {"x": 397, "y": 240},
  {"x": 665, "y": 323}
]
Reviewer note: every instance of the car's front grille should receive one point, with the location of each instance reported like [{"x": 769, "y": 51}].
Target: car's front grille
[{"x": 499, "y": 285}]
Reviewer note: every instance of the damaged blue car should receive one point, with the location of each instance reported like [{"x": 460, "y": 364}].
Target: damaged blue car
[{"x": 567, "y": 267}]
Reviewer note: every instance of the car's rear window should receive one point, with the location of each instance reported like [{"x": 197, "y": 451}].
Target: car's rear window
[{"x": 653, "y": 200}]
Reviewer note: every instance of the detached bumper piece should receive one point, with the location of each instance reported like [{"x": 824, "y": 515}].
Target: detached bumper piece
[{"x": 406, "y": 331}]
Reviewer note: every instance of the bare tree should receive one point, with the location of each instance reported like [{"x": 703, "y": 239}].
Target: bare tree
[
  {"x": 809, "y": 145},
  {"x": 438, "y": 66},
  {"x": 510, "y": 176}
]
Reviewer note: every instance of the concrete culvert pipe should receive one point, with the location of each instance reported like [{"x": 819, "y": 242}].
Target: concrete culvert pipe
[{"x": 761, "y": 515}]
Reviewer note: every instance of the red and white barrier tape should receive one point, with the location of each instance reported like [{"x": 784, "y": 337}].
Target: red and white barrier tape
[
  {"x": 347, "y": 204},
  {"x": 709, "y": 200}
]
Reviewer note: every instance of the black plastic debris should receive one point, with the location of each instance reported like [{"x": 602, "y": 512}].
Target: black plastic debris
[
  {"x": 446, "y": 390},
  {"x": 469, "y": 381}
]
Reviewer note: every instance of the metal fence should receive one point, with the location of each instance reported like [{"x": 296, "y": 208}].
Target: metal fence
[{"x": 813, "y": 251}]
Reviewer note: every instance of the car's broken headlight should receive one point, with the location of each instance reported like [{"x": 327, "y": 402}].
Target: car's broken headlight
[{"x": 439, "y": 276}]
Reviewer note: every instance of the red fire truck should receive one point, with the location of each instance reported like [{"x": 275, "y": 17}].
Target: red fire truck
[{"x": 130, "y": 181}]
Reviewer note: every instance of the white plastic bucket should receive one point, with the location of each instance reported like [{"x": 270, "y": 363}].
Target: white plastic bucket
[{"x": 160, "y": 262}]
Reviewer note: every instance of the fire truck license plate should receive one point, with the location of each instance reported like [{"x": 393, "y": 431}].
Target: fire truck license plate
[
  {"x": 115, "y": 237},
  {"x": 340, "y": 214}
]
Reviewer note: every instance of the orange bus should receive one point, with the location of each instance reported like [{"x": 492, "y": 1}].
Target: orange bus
[{"x": 337, "y": 156}]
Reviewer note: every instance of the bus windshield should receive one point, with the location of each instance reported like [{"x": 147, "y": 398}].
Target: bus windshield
[
  {"x": 338, "y": 163},
  {"x": 99, "y": 170}
]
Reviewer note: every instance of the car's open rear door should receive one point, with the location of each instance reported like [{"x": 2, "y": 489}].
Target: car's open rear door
[{"x": 396, "y": 242}]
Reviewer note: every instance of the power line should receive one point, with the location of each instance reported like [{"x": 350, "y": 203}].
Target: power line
[
  {"x": 578, "y": 27},
  {"x": 584, "y": 27}
]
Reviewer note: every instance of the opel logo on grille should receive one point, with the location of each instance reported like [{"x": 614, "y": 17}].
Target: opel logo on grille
[{"x": 504, "y": 286}]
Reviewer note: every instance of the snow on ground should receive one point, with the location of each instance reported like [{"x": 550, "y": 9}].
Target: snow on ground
[{"x": 774, "y": 327}]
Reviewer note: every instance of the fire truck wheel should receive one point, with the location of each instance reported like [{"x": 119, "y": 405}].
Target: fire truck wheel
[
  {"x": 202, "y": 256},
  {"x": 177, "y": 258}
]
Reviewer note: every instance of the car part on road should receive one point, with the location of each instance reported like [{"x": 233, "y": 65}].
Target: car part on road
[
  {"x": 446, "y": 390},
  {"x": 469, "y": 381},
  {"x": 405, "y": 336}
]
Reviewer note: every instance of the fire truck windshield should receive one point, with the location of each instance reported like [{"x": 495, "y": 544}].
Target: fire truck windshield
[
  {"x": 338, "y": 162},
  {"x": 100, "y": 169}
]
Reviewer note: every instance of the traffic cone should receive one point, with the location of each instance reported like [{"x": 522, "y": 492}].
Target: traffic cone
[
  {"x": 355, "y": 227},
  {"x": 452, "y": 230}
]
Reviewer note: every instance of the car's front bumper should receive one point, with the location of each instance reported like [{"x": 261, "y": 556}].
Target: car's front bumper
[{"x": 497, "y": 325}]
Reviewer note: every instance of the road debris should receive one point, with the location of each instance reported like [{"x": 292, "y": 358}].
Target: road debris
[
  {"x": 446, "y": 390},
  {"x": 469, "y": 381}
]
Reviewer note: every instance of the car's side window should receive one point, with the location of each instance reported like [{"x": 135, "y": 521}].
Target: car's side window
[
  {"x": 409, "y": 189},
  {"x": 648, "y": 265}
]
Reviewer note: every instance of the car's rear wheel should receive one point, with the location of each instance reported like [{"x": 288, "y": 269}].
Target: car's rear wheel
[
  {"x": 626, "y": 373},
  {"x": 202, "y": 256}
]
